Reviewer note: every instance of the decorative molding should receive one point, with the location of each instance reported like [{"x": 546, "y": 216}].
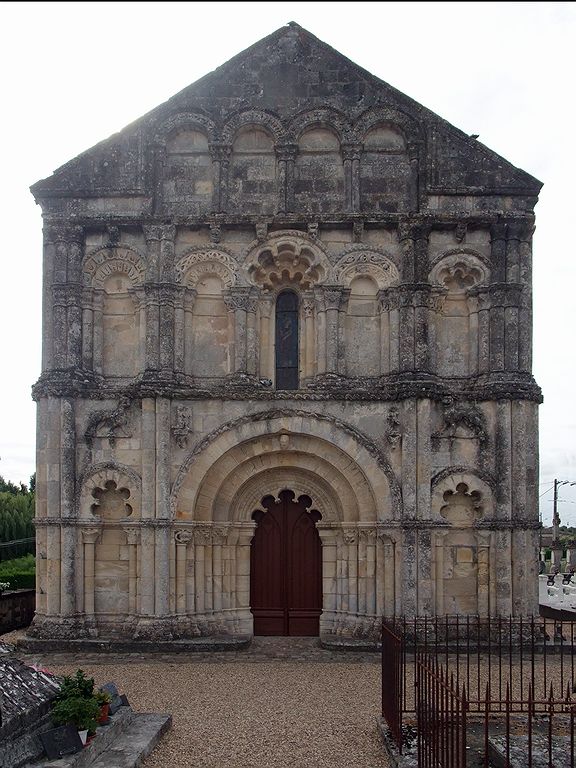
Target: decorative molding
[
  {"x": 105, "y": 261},
  {"x": 196, "y": 262},
  {"x": 182, "y": 426},
  {"x": 110, "y": 420},
  {"x": 365, "y": 261},
  {"x": 465, "y": 415},
  {"x": 258, "y": 118}
]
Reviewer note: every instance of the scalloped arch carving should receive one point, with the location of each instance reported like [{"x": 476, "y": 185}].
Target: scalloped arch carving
[
  {"x": 102, "y": 476},
  {"x": 184, "y": 120},
  {"x": 367, "y": 262},
  {"x": 100, "y": 264},
  {"x": 459, "y": 269},
  {"x": 258, "y": 118},
  {"x": 195, "y": 263},
  {"x": 287, "y": 258},
  {"x": 272, "y": 481},
  {"x": 465, "y": 484}
]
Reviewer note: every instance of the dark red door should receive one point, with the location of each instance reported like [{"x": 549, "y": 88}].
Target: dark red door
[{"x": 286, "y": 568}]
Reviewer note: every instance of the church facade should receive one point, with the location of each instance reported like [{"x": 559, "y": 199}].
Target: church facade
[{"x": 286, "y": 383}]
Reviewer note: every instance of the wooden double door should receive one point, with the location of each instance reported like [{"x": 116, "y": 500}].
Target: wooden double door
[{"x": 286, "y": 568}]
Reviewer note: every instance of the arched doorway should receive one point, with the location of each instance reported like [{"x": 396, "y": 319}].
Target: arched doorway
[{"x": 286, "y": 567}]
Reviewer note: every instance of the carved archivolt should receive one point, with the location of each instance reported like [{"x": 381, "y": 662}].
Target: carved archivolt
[
  {"x": 110, "y": 476},
  {"x": 273, "y": 481},
  {"x": 257, "y": 118},
  {"x": 287, "y": 258},
  {"x": 99, "y": 264},
  {"x": 377, "y": 115},
  {"x": 458, "y": 270},
  {"x": 366, "y": 262},
  {"x": 312, "y": 438},
  {"x": 325, "y": 117},
  {"x": 183, "y": 121},
  {"x": 195, "y": 263}
]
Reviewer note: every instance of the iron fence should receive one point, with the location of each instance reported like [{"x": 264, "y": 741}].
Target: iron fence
[
  {"x": 441, "y": 711},
  {"x": 501, "y": 686}
]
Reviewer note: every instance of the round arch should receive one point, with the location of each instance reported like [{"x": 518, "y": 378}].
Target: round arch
[{"x": 315, "y": 449}]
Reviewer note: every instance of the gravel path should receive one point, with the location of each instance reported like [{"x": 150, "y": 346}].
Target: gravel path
[{"x": 251, "y": 711}]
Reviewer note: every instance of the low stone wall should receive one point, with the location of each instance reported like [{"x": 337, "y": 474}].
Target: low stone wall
[{"x": 16, "y": 609}]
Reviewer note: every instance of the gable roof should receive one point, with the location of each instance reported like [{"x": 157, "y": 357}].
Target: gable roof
[{"x": 282, "y": 75}]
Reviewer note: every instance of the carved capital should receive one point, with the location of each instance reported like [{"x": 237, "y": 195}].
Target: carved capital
[
  {"x": 240, "y": 299},
  {"x": 357, "y": 231},
  {"x": 152, "y": 232},
  {"x": 203, "y": 536},
  {"x": 350, "y": 535},
  {"x": 90, "y": 535},
  {"x": 62, "y": 232},
  {"x": 183, "y": 537},
  {"x": 286, "y": 152},
  {"x": 351, "y": 151},
  {"x": 335, "y": 296},
  {"x": 220, "y": 152},
  {"x": 132, "y": 536},
  {"x": 388, "y": 299}
]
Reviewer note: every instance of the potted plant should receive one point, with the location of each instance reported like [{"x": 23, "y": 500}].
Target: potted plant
[
  {"x": 103, "y": 699},
  {"x": 79, "y": 711},
  {"x": 4, "y": 585}
]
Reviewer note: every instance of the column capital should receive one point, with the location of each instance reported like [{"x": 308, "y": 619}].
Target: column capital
[{"x": 90, "y": 535}]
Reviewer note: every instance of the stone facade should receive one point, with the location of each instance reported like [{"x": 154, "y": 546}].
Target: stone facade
[{"x": 413, "y": 425}]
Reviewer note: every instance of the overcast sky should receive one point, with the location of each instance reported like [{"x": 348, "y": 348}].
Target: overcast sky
[{"x": 74, "y": 73}]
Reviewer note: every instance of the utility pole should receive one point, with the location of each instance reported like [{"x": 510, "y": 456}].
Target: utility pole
[{"x": 555, "y": 515}]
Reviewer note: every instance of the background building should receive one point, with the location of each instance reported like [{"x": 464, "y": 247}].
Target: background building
[{"x": 287, "y": 378}]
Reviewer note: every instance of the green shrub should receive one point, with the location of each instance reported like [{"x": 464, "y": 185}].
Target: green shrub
[
  {"x": 76, "y": 686},
  {"x": 20, "y": 573}
]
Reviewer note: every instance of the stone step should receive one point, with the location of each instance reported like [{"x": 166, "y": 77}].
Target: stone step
[{"x": 85, "y": 645}]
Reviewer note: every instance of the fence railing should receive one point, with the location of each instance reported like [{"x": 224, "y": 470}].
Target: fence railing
[
  {"x": 501, "y": 686},
  {"x": 441, "y": 710},
  {"x": 516, "y": 651}
]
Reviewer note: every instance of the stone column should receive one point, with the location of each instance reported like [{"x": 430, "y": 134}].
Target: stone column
[
  {"x": 245, "y": 618},
  {"x": 188, "y": 299},
  {"x": 406, "y": 329},
  {"x": 351, "y": 157},
  {"x": 238, "y": 301},
  {"x": 147, "y": 546},
  {"x": 87, "y": 329},
  {"x": 98, "y": 330},
  {"x": 182, "y": 538},
  {"x": 286, "y": 159},
  {"x": 50, "y": 233},
  {"x": 370, "y": 536},
  {"x": 218, "y": 539},
  {"x": 438, "y": 548},
  {"x": 199, "y": 583},
  {"x": 329, "y": 586},
  {"x": 351, "y": 555},
  {"x": 511, "y": 330},
  {"x": 53, "y": 560},
  {"x": 67, "y": 492},
  {"x": 334, "y": 296},
  {"x": 162, "y": 552},
  {"x": 89, "y": 538},
  {"x": 266, "y": 344},
  {"x": 483, "y": 544},
  {"x": 422, "y": 299},
  {"x": 483, "y": 303},
  {"x": 220, "y": 154},
  {"x": 498, "y": 252},
  {"x": 252, "y": 350},
  {"x": 132, "y": 539},
  {"x": 320, "y": 330},
  {"x": 362, "y": 571},
  {"x": 167, "y": 299},
  {"x": 309, "y": 345},
  {"x": 59, "y": 301},
  {"x": 525, "y": 310}
]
